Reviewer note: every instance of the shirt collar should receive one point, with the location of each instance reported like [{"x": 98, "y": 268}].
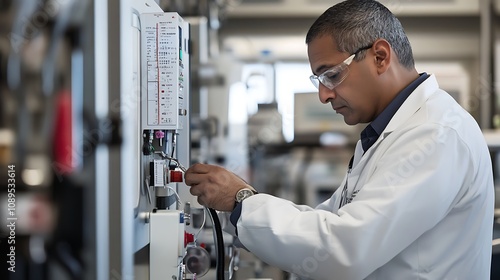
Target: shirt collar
[{"x": 377, "y": 126}]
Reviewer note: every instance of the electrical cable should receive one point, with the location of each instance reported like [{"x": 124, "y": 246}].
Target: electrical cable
[
  {"x": 165, "y": 156},
  {"x": 219, "y": 242},
  {"x": 173, "y": 145},
  {"x": 176, "y": 195},
  {"x": 202, "y": 225}
]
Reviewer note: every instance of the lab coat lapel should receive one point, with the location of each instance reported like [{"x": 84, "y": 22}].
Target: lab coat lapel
[{"x": 411, "y": 105}]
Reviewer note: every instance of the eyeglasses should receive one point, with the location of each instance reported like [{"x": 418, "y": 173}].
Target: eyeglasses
[{"x": 337, "y": 74}]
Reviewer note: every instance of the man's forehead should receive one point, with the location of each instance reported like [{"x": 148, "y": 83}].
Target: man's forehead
[
  {"x": 323, "y": 40},
  {"x": 323, "y": 54}
]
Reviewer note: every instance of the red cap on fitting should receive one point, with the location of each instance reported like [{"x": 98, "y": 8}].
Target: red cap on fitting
[
  {"x": 175, "y": 176},
  {"x": 188, "y": 238}
]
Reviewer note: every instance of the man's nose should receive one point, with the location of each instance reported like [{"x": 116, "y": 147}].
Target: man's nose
[{"x": 325, "y": 94}]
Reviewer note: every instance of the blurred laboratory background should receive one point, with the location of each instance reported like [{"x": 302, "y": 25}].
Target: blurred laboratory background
[{"x": 92, "y": 152}]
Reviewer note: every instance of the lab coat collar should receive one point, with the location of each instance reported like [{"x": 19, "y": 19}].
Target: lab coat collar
[{"x": 412, "y": 104}]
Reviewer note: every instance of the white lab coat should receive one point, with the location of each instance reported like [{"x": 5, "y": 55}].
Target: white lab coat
[{"x": 423, "y": 210}]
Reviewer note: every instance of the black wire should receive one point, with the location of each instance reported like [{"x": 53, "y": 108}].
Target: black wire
[
  {"x": 173, "y": 147},
  {"x": 219, "y": 242},
  {"x": 173, "y": 143}
]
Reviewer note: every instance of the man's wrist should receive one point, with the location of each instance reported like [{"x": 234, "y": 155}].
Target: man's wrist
[{"x": 243, "y": 194}]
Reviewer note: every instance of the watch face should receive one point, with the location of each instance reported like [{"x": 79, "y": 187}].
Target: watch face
[{"x": 242, "y": 194}]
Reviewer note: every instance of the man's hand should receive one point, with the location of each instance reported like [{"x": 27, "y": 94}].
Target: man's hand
[{"x": 214, "y": 186}]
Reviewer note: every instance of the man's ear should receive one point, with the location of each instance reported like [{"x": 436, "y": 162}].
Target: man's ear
[{"x": 382, "y": 50}]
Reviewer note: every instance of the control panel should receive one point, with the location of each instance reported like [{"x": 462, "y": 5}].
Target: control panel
[{"x": 164, "y": 44}]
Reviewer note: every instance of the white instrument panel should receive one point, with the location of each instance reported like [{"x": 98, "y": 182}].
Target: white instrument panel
[{"x": 164, "y": 45}]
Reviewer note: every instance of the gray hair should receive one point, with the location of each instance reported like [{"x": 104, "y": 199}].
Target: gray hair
[{"x": 355, "y": 24}]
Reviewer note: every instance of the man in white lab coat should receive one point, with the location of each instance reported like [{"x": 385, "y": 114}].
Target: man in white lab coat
[{"x": 417, "y": 201}]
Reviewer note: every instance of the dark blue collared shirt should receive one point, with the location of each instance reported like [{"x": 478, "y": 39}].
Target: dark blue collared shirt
[{"x": 372, "y": 132}]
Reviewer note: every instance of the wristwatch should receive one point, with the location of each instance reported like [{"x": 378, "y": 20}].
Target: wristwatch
[{"x": 243, "y": 194}]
